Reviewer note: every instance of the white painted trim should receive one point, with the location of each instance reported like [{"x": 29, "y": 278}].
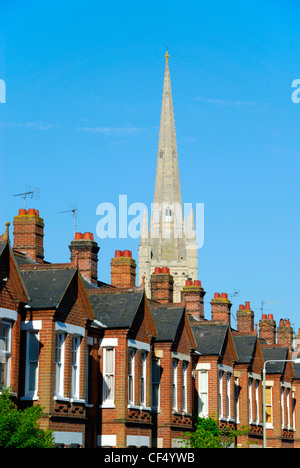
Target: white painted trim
[
  {"x": 139, "y": 345},
  {"x": 67, "y": 438},
  {"x": 109, "y": 440},
  {"x": 106, "y": 342},
  {"x": 138, "y": 441},
  {"x": 203, "y": 366},
  {"x": 224, "y": 368},
  {"x": 254, "y": 376},
  {"x": 181, "y": 356},
  {"x": 8, "y": 314},
  {"x": 31, "y": 325},
  {"x": 69, "y": 328}
]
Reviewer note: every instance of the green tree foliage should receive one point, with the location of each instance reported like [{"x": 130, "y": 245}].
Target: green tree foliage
[
  {"x": 20, "y": 428},
  {"x": 207, "y": 434}
]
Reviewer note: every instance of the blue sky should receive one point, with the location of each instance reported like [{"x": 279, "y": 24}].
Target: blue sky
[{"x": 81, "y": 118}]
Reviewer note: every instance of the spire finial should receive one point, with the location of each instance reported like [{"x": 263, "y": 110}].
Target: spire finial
[{"x": 167, "y": 55}]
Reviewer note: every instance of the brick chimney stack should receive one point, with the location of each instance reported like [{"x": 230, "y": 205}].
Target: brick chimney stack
[
  {"x": 220, "y": 308},
  {"x": 194, "y": 298},
  {"x": 29, "y": 234},
  {"x": 245, "y": 318},
  {"x": 87, "y": 250},
  {"x": 285, "y": 334},
  {"x": 162, "y": 285},
  {"x": 123, "y": 268},
  {"x": 267, "y": 328}
]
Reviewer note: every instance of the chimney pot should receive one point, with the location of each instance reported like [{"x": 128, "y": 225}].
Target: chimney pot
[
  {"x": 127, "y": 254},
  {"x": 31, "y": 211},
  {"x": 165, "y": 270}
]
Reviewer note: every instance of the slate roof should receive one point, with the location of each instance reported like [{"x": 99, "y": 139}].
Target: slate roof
[
  {"x": 210, "y": 338},
  {"x": 2, "y": 246},
  {"x": 116, "y": 310},
  {"x": 47, "y": 287},
  {"x": 22, "y": 259},
  {"x": 245, "y": 347},
  {"x": 167, "y": 321},
  {"x": 276, "y": 354}
]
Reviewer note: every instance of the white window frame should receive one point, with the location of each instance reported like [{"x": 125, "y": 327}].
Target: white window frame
[
  {"x": 5, "y": 352},
  {"x": 221, "y": 374},
  {"x": 228, "y": 400},
  {"x": 203, "y": 392},
  {"x": 288, "y": 408},
  {"x": 184, "y": 386},
  {"x": 75, "y": 366},
  {"x": 237, "y": 399},
  {"x": 32, "y": 394},
  {"x": 269, "y": 425},
  {"x": 156, "y": 383},
  {"x": 143, "y": 383},
  {"x": 108, "y": 401},
  {"x": 282, "y": 397},
  {"x": 257, "y": 406},
  {"x": 131, "y": 376},
  {"x": 293, "y": 410},
  {"x": 174, "y": 384},
  {"x": 250, "y": 399},
  {"x": 59, "y": 364}
]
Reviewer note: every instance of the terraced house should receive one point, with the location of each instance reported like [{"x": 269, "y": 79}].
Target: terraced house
[{"x": 134, "y": 362}]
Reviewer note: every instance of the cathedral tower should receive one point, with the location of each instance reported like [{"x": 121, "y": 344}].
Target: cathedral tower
[{"x": 170, "y": 242}]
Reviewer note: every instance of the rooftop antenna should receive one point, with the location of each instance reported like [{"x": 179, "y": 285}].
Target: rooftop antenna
[
  {"x": 231, "y": 295},
  {"x": 31, "y": 192},
  {"x": 265, "y": 302},
  {"x": 74, "y": 211},
  {"x": 234, "y": 294}
]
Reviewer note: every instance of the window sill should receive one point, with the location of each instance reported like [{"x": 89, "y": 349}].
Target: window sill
[
  {"x": 107, "y": 406},
  {"x": 29, "y": 398},
  {"x": 60, "y": 398},
  {"x": 140, "y": 408},
  {"x": 181, "y": 413},
  {"x": 77, "y": 400}
]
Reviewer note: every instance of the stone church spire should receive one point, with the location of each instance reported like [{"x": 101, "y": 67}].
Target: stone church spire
[
  {"x": 167, "y": 184},
  {"x": 166, "y": 243}
]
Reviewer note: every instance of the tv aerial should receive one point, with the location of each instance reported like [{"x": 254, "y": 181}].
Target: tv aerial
[
  {"x": 265, "y": 302},
  {"x": 74, "y": 212},
  {"x": 31, "y": 192}
]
